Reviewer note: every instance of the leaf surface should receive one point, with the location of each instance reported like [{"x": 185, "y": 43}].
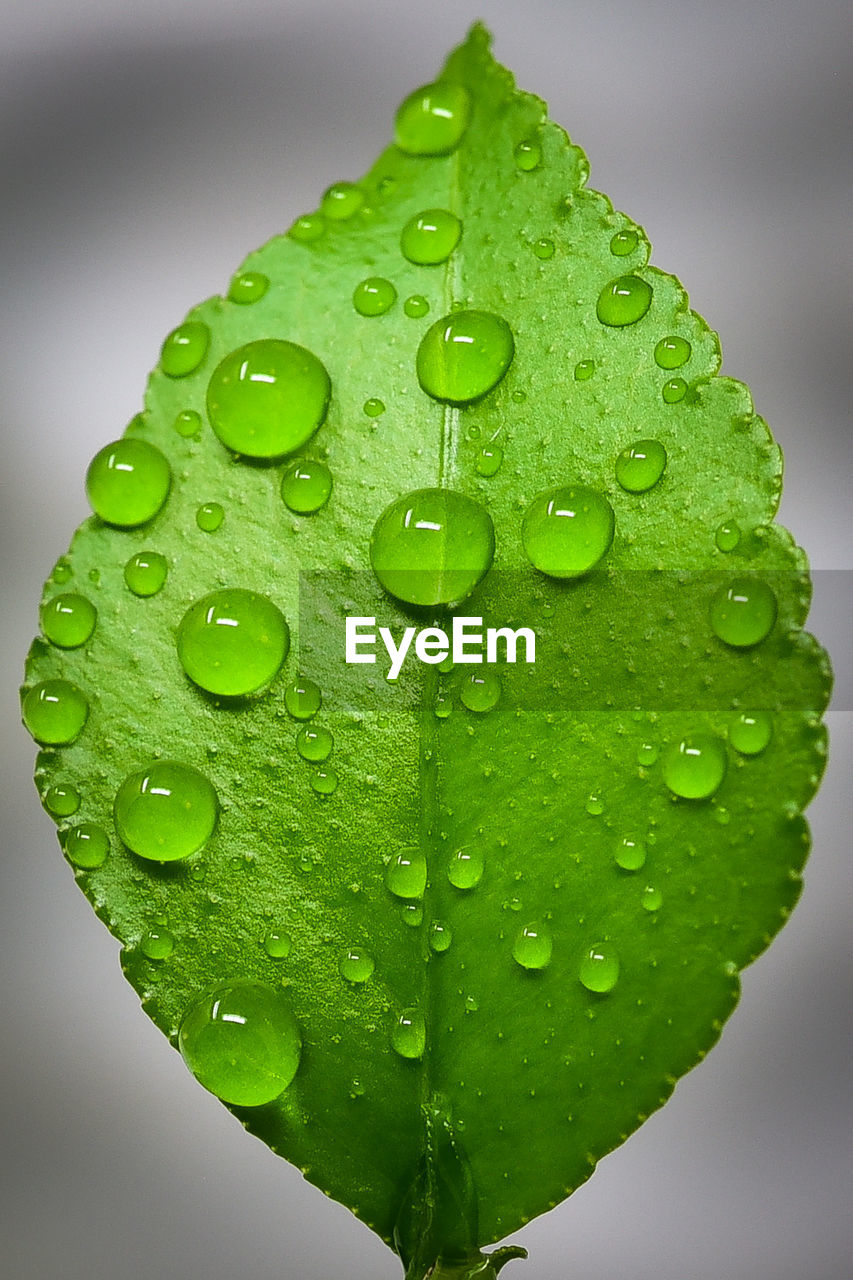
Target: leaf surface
[{"x": 527, "y": 1076}]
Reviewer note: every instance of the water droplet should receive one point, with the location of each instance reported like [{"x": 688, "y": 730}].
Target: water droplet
[
  {"x": 145, "y": 573},
  {"x": 694, "y": 767},
  {"x": 314, "y": 744},
  {"x": 341, "y": 201},
  {"x": 465, "y": 868},
  {"x": 306, "y": 486},
  {"x": 567, "y": 531},
  {"x": 751, "y": 732},
  {"x": 277, "y": 944},
  {"x": 440, "y": 936},
  {"x": 727, "y": 536},
  {"x": 267, "y": 398},
  {"x": 374, "y": 296},
  {"x": 356, "y": 965},
  {"x": 157, "y": 944},
  {"x": 472, "y": 1004},
  {"x": 373, "y": 407},
  {"x": 652, "y": 898},
  {"x": 303, "y": 699},
  {"x": 412, "y": 914},
  {"x": 647, "y": 753},
  {"x": 241, "y": 1042},
  {"x": 188, "y": 423},
  {"x": 624, "y": 300},
  {"x": 232, "y": 642},
  {"x": 185, "y": 349},
  {"x": 432, "y": 546},
  {"x": 532, "y": 947},
  {"x": 641, "y": 465},
  {"x": 584, "y": 369},
  {"x": 674, "y": 390},
  {"x": 406, "y": 873},
  {"x": 357, "y": 1088},
  {"x": 594, "y": 805},
  {"x": 672, "y": 352},
  {"x": 480, "y": 691},
  {"x": 528, "y": 155},
  {"x": 68, "y": 620},
  {"x": 62, "y": 800},
  {"x": 722, "y": 815},
  {"x": 165, "y": 812},
  {"x": 408, "y": 1034},
  {"x": 432, "y": 120},
  {"x": 86, "y": 846},
  {"x": 416, "y": 306},
  {"x": 308, "y": 228},
  {"x": 624, "y": 242},
  {"x": 630, "y": 854},
  {"x": 490, "y": 460},
  {"x": 599, "y": 969},
  {"x": 324, "y": 782},
  {"x": 55, "y": 712},
  {"x": 128, "y": 482},
  {"x": 209, "y": 516},
  {"x": 543, "y": 249},
  {"x": 248, "y": 287},
  {"x": 743, "y": 613},
  {"x": 443, "y": 705},
  {"x": 430, "y": 237},
  {"x": 464, "y": 355}
]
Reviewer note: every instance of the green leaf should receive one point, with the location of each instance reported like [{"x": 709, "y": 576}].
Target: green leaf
[{"x": 607, "y": 835}]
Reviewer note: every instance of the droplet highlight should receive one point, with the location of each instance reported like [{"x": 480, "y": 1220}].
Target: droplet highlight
[
  {"x": 314, "y": 744},
  {"x": 480, "y": 691},
  {"x": 406, "y": 873},
  {"x": 408, "y": 1034},
  {"x": 672, "y": 352},
  {"x": 86, "y": 846},
  {"x": 356, "y": 965},
  {"x": 303, "y": 699},
  {"x": 209, "y": 516},
  {"x": 641, "y": 465},
  {"x": 145, "y": 573}
]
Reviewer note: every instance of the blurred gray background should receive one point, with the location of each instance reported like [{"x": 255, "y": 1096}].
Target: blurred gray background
[{"x": 145, "y": 150}]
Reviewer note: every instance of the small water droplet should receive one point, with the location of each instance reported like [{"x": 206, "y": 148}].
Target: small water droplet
[
  {"x": 341, "y": 201},
  {"x": 145, "y": 573},
  {"x": 373, "y": 407},
  {"x": 751, "y": 732},
  {"x": 594, "y": 805},
  {"x": 86, "y": 846},
  {"x": 62, "y": 800},
  {"x": 674, "y": 390},
  {"x": 641, "y": 465},
  {"x": 624, "y": 300},
  {"x": 440, "y": 936},
  {"x": 267, "y": 398},
  {"x": 306, "y": 486},
  {"x": 303, "y": 699},
  {"x": 127, "y": 482},
  {"x": 443, "y": 705},
  {"x": 472, "y": 1004},
  {"x": 356, "y": 964},
  {"x": 68, "y": 620},
  {"x": 308, "y": 228},
  {"x": 232, "y": 642},
  {"x": 432, "y": 546},
  {"x": 647, "y": 753},
  {"x": 241, "y": 1042},
  {"x": 406, "y": 873},
  {"x": 480, "y": 691},
  {"x": 184, "y": 349},
  {"x": 652, "y": 898},
  {"x": 430, "y": 237},
  {"x": 584, "y": 369},
  {"x": 465, "y": 868},
  {"x": 727, "y": 536},
  {"x": 743, "y": 612},
  {"x": 624, "y": 242},
  {"x": 248, "y": 287},
  {"x": 599, "y": 969},
  {"x": 157, "y": 944},
  {"x": 722, "y": 815},
  {"x": 528, "y": 155},
  {"x": 543, "y": 249},
  {"x": 166, "y": 812},
  {"x": 374, "y": 296},
  {"x": 55, "y": 712},
  {"x": 630, "y": 854},
  {"x": 314, "y": 744},
  {"x": 408, "y": 1034},
  {"x": 490, "y": 460},
  {"x": 433, "y": 119},
  {"x": 567, "y": 531},
  {"x": 464, "y": 355},
  {"x": 324, "y": 782},
  {"x": 357, "y": 1088},
  {"x": 532, "y": 947},
  {"x": 672, "y": 352},
  {"x": 412, "y": 914},
  {"x": 209, "y": 516},
  {"x": 695, "y": 767},
  {"x": 416, "y": 306},
  {"x": 188, "y": 423},
  {"x": 277, "y": 944}
]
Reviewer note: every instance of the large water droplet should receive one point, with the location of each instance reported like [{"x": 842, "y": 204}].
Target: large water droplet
[
  {"x": 314, "y": 744},
  {"x": 242, "y": 1042},
  {"x": 464, "y": 355},
  {"x": 599, "y": 969},
  {"x": 128, "y": 482},
  {"x": 184, "y": 349},
  {"x": 624, "y": 301},
  {"x": 209, "y": 516},
  {"x": 248, "y": 287},
  {"x": 694, "y": 767},
  {"x": 145, "y": 573},
  {"x": 157, "y": 944},
  {"x": 432, "y": 120},
  {"x": 672, "y": 352},
  {"x": 751, "y": 732},
  {"x": 430, "y": 237},
  {"x": 55, "y": 712},
  {"x": 356, "y": 964},
  {"x": 267, "y": 398},
  {"x": 306, "y": 486},
  {"x": 86, "y": 846},
  {"x": 743, "y": 613},
  {"x": 567, "y": 531},
  {"x": 408, "y": 1034},
  {"x": 432, "y": 546},
  {"x": 727, "y": 536},
  {"x": 374, "y": 296},
  {"x": 630, "y": 854},
  {"x": 641, "y": 465},
  {"x": 341, "y": 201},
  {"x": 62, "y": 800},
  {"x": 166, "y": 812},
  {"x": 303, "y": 699},
  {"x": 465, "y": 868},
  {"x": 232, "y": 642},
  {"x": 480, "y": 691},
  {"x": 406, "y": 873},
  {"x": 68, "y": 620},
  {"x": 532, "y": 947},
  {"x": 624, "y": 242}
]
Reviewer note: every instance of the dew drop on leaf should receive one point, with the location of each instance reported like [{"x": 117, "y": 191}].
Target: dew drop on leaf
[
  {"x": 68, "y": 620},
  {"x": 652, "y": 898},
  {"x": 532, "y": 947},
  {"x": 543, "y": 249},
  {"x": 624, "y": 301},
  {"x": 209, "y": 516},
  {"x": 166, "y": 812},
  {"x": 248, "y": 287},
  {"x": 267, "y": 398},
  {"x": 480, "y": 691},
  {"x": 314, "y": 744},
  {"x": 464, "y": 355},
  {"x": 727, "y": 536},
  {"x": 416, "y": 306},
  {"x": 241, "y": 1041},
  {"x": 157, "y": 943},
  {"x": 630, "y": 854},
  {"x": 308, "y": 228},
  {"x": 599, "y": 968},
  {"x": 188, "y": 423},
  {"x": 695, "y": 767},
  {"x": 62, "y": 800},
  {"x": 641, "y": 465},
  {"x": 277, "y": 944},
  {"x": 433, "y": 119},
  {"x": 440, "y": 936},
  {"x": 674, "y": 390},
  {"x": 430, "y": 237},
  {"x": 145, "y": 573},
  {"x": 86, "y": 846},
  {"x": 567, "y": 531},
  {"x": 624, "y": 242},
  {"x": 647, "y": 753},
  {"x": 751, "y": 732},
  {"x": 743, "y": 612},
  {"x": 374, "y": 296},
  {"x": 184, "y": 349},
  {"x": 406, "y": 873},
  {"x": 55, "y": 712},
  {"x": 584, "y": 369},
  {"x": 341, "y": 201},
  {"x": 128, "y": 482},
  {"x": 324, "y": 782},
  {"x": 408, "y": 1034},
  {"x": 672, "y": 352},
  {"x": 232, "y": 642},
  {"x": 373, "y": 407},
  {"x": 432, "y": 546},
  {"x": 465, "y": 868},
  {"x": 356, "y": 964},
  {"x": 306, "y": 486},
  {"x": 303, "y": 699},
  {"x": 412, "y": 914},
  {"x": 527, "y": 155},
  {"x": 490, "y": 460}
]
